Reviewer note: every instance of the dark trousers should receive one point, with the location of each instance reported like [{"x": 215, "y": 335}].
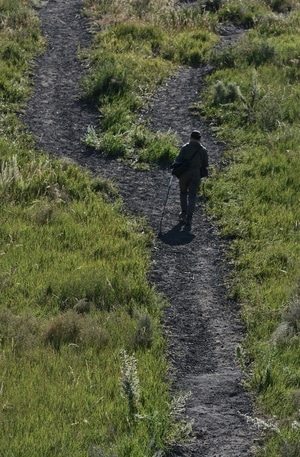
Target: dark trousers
[{"x": 189, "y": 185}]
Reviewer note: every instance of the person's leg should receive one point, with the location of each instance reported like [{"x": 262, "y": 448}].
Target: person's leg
[
  {"x": 192, "y": 195},
  {"x": 183, "y": 188},
  {"x": 183, "y": 201}
]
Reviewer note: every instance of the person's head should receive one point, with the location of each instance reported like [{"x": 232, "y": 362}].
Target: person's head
[{"x": 195, "y": 135}]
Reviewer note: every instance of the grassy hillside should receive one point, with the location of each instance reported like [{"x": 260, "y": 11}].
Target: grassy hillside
[
  {"x": 75, "y": 303},
  {"x": 253, "y": 100}
]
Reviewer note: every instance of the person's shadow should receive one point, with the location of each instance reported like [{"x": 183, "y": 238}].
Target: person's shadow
[{"x": 178, "y": 235}]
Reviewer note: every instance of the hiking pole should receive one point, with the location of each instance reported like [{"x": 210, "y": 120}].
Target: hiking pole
[
  {"x": 204, "y": 195},
  {"x": 165, "y": 204}
]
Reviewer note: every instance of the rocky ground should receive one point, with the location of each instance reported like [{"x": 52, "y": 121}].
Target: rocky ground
[{"x": 189, "y": 267}]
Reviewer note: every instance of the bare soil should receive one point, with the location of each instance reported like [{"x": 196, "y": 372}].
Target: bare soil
[{"x": 189, "y": 267}]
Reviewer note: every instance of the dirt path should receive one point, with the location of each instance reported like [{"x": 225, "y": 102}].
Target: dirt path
[{"x": 202, "y": 326}]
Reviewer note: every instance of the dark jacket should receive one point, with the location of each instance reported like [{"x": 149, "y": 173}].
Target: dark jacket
[{"x": 199, "y": 160}]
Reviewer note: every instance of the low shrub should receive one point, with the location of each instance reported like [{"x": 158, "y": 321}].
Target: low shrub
[
  {"x": 144, "y": 333},
  {"x": 290, "y": 449},
  {"x": 71, "y": 328}
]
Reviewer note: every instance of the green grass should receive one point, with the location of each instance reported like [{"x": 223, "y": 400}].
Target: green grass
[
  {"x": 129, "y": 58},
  {"x": 70, "y": 401},
  {"x": 253, "y": 100},
  {"x": 74, "y": 294},
  {"x": 82, "y": 361}
]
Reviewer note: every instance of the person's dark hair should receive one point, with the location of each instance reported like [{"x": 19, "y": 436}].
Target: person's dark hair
[{"x": 196, "y": 135}]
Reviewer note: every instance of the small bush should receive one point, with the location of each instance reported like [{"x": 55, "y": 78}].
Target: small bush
[
  {"x": 250, "y": 52},
  {"x": 43, "y": 213},
  {"x": 293, "y": 317},
  {"x": 138, "y": 32},
  {"x": 20, "y": 333},
  {"x": 64, "y": 329},
  {"x": 72, "y": 328},
  {"x": 140, "y": 137},
  {"x": 225, "y": 58},
  {"x": 224, "y": 93},
  {"x": 129, "y": 382},
  {"x": 144, "y": 333},
  {"x": 184, "y": 19},
  {"x": 290, "y": 449},
  {"x": 113, "y": 144},
  {"x": 273, "y": 25},
  {"x": 211, "y": 5},
  {"x": 104, "y": 187},
  {"x": 294, "y": 397},
  {"x": 13, "y": 54},
  {"x": 264, "y": 379},
  {"x": 118, "y": 117},
  {"x": 238, "y": 13},
  {"x": 93, "y": 335},
  {"x": 109, "y": 79},
  {"x": 281, "y": 6},
  {"x": 11, "y": 179},
  {"x": 161, "y": 149},
  {"x": 56, "y": 193},
  {"x": 259, "y": 52}
]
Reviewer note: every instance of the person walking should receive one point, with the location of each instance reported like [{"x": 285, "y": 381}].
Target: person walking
[{"x": 189, "y": 181}]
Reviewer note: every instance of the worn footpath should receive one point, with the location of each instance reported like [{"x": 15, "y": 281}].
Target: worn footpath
[{"x": 202, "y": 326}]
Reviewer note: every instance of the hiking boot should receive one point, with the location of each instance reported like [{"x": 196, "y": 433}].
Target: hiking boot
[
  {"x": 182, "y": 217},
  {"x": 188, "y": 222}
]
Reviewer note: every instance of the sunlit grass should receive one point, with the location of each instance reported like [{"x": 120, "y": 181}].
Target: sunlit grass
[
  {"x": 131, "y": 55},
  {"x": 76, "y": 310},
  {"x": 256, "y": 199},
  {"x": 74, "y": 293}
]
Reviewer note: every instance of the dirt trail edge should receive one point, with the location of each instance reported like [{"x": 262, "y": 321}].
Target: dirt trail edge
[{"x": 202, "y": 326}]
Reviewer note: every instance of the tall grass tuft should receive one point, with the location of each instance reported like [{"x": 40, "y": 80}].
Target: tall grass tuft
[
  {"x": 10, "y": 175},
  {"x": 130, "y": 384},
  {"x": 143, "y": 337},
  {"x": 292, "y": 316},
  {"x": 71, "y": 328},
  {"x": 290, "y": 449}
]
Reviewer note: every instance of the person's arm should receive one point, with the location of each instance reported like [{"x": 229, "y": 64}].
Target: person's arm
[{"x": 181, "y": 155}]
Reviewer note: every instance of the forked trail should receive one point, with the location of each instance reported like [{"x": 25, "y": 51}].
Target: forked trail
[{"x": 202, "y": 325}]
